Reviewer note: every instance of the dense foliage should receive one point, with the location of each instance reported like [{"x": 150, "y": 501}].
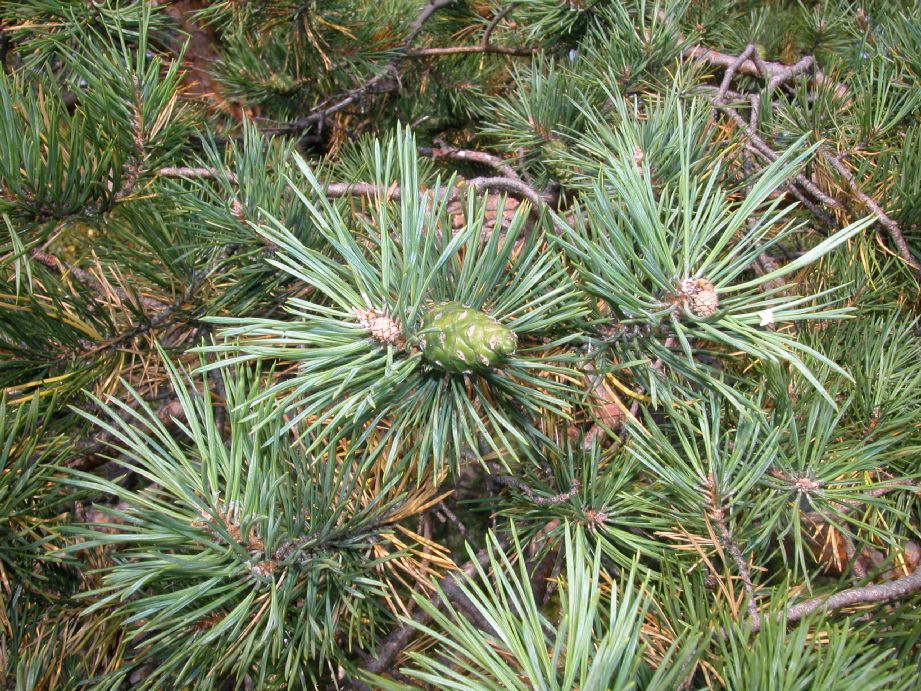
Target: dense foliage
[{"x": 462, "y": 344}]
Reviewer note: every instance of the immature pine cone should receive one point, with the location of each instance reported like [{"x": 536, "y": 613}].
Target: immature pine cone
[
  {"x": 699, "y": 296},
  {"x": 457, "y": 338},
  {"x": 383, "y": 328}
]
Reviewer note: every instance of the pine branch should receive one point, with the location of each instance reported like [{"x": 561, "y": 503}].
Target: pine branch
[
  {"x": 333, "y": 105},
  {"x": 391, "y": 647},
  {"x": 443, "y": 513},
  {"x": 776, "y": 73},
  {"x": 195, "y": 172},
  {"x": 468, "y": 156},
  {"x": 160, "y": 319},
  {"x": 512, "y": 186},
  {"x": 895, "y": 233},
  {"x": 132, "y": 168},
  {"x": 718, "y": 515},
  {"x": 731, "y": 70},
  {"x": 466, "y": 50},
  {"x": 91, "y": 451},
  {"x": 806, "y": 485},
  {"x": 863, "y": 595},
  {"x": 515, "y": 187},
  {"x": 509, "y": 182},
  {"x": 775, "y": 77},
  {"x": 485, "y": 47},
  {"x": 668, "y": 265},
  {"x": 494, "y": 22},
  {"x": 533, "y": 497},
  {"x": 87, "y": 279},
  {"x": 427, "y": 11},
  {"x": 760, "y": 148}
]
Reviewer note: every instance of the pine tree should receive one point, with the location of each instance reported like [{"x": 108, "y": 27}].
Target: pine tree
[{"x": 460, "y": 344}]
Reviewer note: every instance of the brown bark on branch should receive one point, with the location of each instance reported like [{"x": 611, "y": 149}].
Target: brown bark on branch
[
  {"x": 514, "y": 187},
  {"x": 864, "y": 595},
  {"x": 892, "y": 228},
  {"x": 463, "y": 50},
  {"x": 468, "y": 156},
  {"x": 534, "y": 497},
  {"x": 333, "y": 105},
  {"x": 776, "y": 73},
  {"x": 509, "y": 183},
  {"x": 485, "y": 47},
  {"x": 731, "y": 70},
  {"x": 761, "y": 148},
  {"x": 194, "y": 172},
  {"x": 718, "y": 515},
  {"x": 391, "y": 647}
]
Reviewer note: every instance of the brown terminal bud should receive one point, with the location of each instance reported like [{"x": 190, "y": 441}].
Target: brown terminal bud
[
  {"x": 382, "y": 326},
  {"x": 639, "y": 156},
  {"x": 699, "y": 296}
]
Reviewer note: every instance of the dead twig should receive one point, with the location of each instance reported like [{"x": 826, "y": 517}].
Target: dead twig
[
  {"x": 731, "y": 72},
  {"x": 776, "y": 73},
  {"x": 761, "y": 148}
]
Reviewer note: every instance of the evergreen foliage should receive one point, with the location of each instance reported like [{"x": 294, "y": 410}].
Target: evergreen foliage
[{"x": 460, "y": 344}]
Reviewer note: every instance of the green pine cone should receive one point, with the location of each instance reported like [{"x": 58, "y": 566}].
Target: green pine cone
[
  {"x": 551, "y": 153},
  {"x": 457, "y": 338}
]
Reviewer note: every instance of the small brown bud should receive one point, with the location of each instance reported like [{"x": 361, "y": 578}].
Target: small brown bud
[
  {"x": 383, "y": 327},
  {"x": 264, "y": 569},
  {"x": 595, "y": 519},
  {"x": 807, "y": 485},
  {"x": 639, "y": 156},
  {"x": 699, "y": 296}
]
